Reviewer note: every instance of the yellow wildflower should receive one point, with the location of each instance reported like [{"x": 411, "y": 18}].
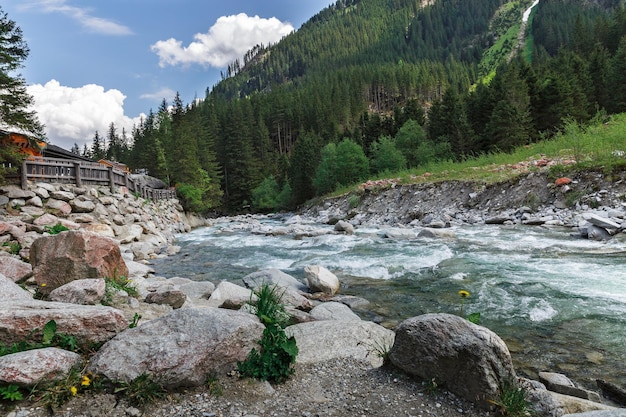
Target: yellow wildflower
[
  {"x": 464, "y": 293},
  {"x": 74, "y": 390},
  {"x": 43, "y": 284},
  {"x": 85, "y": 381}
]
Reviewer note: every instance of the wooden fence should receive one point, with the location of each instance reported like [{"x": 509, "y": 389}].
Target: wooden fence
[{"x": 86, "y": 173}]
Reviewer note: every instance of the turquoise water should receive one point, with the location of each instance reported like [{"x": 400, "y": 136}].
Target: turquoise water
[{"x": 559, "y": 302}]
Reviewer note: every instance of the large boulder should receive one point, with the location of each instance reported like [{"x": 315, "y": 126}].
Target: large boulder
[
  {"x": 73, "y": 255},
  {"x": 182, "y": 348},
  {"x": 321, "y": 279},
  {"x": 32, "y": 367},
  {"x": 23, "y": 320},
  {"x": 321, "y": 341},
  {"x": 469, "y": 360}
]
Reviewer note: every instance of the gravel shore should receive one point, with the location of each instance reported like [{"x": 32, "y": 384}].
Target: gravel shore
[{"x": 339, "y": 388}]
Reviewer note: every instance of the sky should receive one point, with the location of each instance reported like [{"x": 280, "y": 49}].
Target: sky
[{"x": 93, "y": 63}]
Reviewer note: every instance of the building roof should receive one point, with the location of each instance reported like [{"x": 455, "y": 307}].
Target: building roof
[{"x": 53, "y": 151}]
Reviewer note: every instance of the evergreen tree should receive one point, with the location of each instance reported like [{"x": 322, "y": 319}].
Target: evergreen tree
[
  {"x": 97, "y": 149},
  {"x": 14, "y": 99},
  {"x": 303, "y": 164}
]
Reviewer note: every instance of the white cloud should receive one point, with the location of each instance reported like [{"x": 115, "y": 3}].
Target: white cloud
[
  {"x": 81, "y": 15},
  {"x": 73, "y": 115},
  {"x": 164, "y": 93},
  {"x": 228, "y": 39}
]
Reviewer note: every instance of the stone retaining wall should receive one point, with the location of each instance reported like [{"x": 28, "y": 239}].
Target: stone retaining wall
[{"x": 143, "y": 228}]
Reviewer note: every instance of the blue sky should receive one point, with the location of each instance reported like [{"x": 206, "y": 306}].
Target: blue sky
[{"x": 92, "y": 63}]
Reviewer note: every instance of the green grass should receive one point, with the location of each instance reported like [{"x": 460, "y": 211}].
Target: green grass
[{"x": 596, "y": 147}]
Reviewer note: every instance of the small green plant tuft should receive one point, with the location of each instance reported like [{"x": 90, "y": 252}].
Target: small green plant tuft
[
  {"x": 214, "y": 387},
  {"x": 135, "y": 321},
  {"x": 430, "y": 386},
  {"x": 381, "y": 349},
  {"x": 11, "y": 393},
  {"x": 142, "y": 390},
  {"x": 513, "y": 400},
  {"x": 115, "y": 284},
  {"x": 273, "y": 361},
  {"x": 57, "y": 393},
  {"x": 56, "y": 229},
  {"x": 14, "y": 247}
]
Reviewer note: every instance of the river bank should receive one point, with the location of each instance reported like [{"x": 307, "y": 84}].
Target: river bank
[{"x": 287, "y": 400}]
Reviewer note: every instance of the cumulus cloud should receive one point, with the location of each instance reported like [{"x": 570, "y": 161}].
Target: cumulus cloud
[
  {"x": 80, "y": 14},
  {"x": 228, "y": 39},
  {"x": 73, "y": 115}
]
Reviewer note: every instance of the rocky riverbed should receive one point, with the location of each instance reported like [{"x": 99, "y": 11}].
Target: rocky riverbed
[{"x": 337, "y": 386}]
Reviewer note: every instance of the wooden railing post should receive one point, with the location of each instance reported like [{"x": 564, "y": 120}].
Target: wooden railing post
[
  {"x": 77, "y": 175},
  {"x": 111, "y": 179},
  {"x": 24, "y": 175}
]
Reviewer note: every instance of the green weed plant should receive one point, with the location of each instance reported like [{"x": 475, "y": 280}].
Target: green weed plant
[{"x": 277, "y": 353}]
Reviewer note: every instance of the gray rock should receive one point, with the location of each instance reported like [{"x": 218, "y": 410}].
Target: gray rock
[
  {"x": 436, "y": 233},
  {"x": 333, "y": 311},
  {"x": 230, "y": 295},
  {"x": 13, "y": 192},
  {"x": 273, "y": 276},
  {"x": 289, "y": 288},
  {"x": 82, "y": 206},
  {"x": 469, "y": 360},
  {"x": 11, "y": 291},
  {"x": 32, "y": 367},
  {"x": 62, "y": 195},
  {"x": 32, "y": 211},
  {"x": 182, "y": 348},
  {"x": 563, "y": 385},
  {"x": 320, "y": 341},
  {"x": 600, "y": 413},
  {"x": 321, "y": 279},
  {"x": 81, "y": 291},
  {"x": 22, "y": 320},
  {"x": 600, "y": 221},
  {"x": 198, "y": 289},
  {"x": 170, "y": 296},
  {"x": 351, "y": 301},
  {"x": 60, "y": 207},
  {"x": 400, "y": 234},
  {"x": 14, "y": 269},
  {"x": 597, "y": 233},
  {"x": 344, "y": 227}
]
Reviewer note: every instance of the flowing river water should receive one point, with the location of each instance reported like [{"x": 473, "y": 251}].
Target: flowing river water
[{"x": 559, "y": 302}]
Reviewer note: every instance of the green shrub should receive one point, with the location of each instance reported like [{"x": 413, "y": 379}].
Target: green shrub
[
  {"x": 56, "y": 229},
  {"x": 277, "y": 353}
]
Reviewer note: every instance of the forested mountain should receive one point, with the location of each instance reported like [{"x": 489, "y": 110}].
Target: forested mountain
[{"x": 368, "y": 86}]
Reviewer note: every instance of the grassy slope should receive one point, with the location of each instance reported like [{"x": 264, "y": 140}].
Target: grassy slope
[{"x": 597, "y": 147}]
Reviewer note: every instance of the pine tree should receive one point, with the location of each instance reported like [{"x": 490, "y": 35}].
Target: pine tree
[
  {"x": 14, "y": 99},
  {"x": 97, "y": 148}
]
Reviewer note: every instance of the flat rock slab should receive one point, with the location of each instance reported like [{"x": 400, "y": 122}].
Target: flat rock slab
[
  {"x": 23, "y": 320},
  {"x": 320, "y": 341}
]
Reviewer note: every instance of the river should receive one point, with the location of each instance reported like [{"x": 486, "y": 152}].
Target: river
[{"x": 559, "y": 302}]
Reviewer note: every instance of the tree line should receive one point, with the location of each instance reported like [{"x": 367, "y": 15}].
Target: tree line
[{"x": 373, "y": 86}]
